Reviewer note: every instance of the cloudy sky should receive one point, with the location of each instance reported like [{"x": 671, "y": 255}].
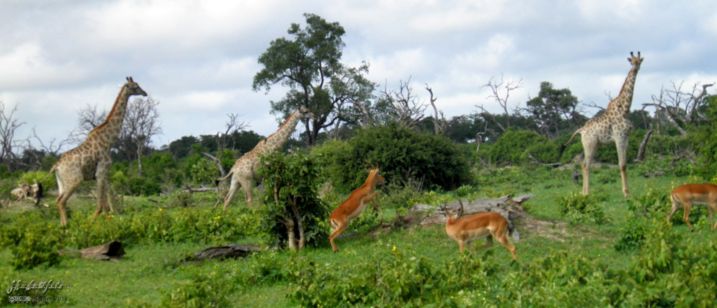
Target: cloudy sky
[{"x": 198, "y": 58}]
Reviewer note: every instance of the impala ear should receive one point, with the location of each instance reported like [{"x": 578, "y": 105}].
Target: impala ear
[{"x": 460, "y": 211}]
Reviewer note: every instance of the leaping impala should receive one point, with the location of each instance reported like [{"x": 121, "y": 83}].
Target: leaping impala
[
  {"x": 354, "y": 205},
  {"x": 688, "y": 194},
  {"x": 464, "y": 229}
]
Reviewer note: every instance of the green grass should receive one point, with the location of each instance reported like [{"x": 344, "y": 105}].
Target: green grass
[{"x": 149, "y": 271}]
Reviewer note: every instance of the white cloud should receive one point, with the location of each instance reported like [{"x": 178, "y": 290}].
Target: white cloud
[
  {"x": 198, "y": 58},
  {"x": 26, "y": 66}
]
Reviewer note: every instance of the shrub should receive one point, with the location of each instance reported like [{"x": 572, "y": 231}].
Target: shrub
[
  {"x": 510, "y": 148},
  {"x": 203, "y": 290},
  {"x": 402, "y": 155},
  {"x": 578, "y": 208},
  {"x": 292, "y": 206},
  {"x": 46, "y": 179},
  {"x": 706, "y": 143},
  {"x": 32, "y": 242}
]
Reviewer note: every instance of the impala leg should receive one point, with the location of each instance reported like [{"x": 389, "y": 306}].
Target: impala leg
[
  {"x": 686, "y": 216},
  {"x": 503, "y": 240},
  {"x": 340, "y": 228},
  {"x": 675, "y": 207}
]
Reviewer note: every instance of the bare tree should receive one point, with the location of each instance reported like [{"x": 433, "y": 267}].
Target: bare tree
[
  {"x": 53, "y": 147},
  {"x": 500, "y": 93},
  {"x": 8, "y": 127},
  {"x": 89, "y": 118},
  {"x": 403, "y": 107},
  {"x": 680, "y": 107},
  {"x": 439, "y": 120},
  {"x": 141, "y": 123},
  {"x": 231, "y": 126}
]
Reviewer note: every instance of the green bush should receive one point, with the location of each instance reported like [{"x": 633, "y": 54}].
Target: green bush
[
  {"x": 290, "y": 197},
  {"x": 511, "y": 146},
  {"x": 32, "y": 241},
  {"x": 143, "y": 186},
  {"x": 577, "y": 208},
  {"x": 704, "y": 138},
  {"x": 46, "y": 179},
  {"x": 401, "y": 154},
  {"x": 203, "y": 290}
]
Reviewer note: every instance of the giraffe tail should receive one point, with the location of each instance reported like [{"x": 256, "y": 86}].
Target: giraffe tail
[
  {"x": 565, "y": 145},
  {"x": 224, "y": 178}
]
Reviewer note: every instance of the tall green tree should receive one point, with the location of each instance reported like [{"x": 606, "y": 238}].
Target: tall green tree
[
  {"x": 554, "y": 110},
  {"x": 309, "y": 64}
]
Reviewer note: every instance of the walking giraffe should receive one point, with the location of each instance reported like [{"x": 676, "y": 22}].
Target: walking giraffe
[
  {"x": 611, "y": 125},
  {"x": 91, "y": 159},
  {"x": 245, "y": 168}
]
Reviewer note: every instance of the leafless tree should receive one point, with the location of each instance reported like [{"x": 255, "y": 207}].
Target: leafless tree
[
  {"x": 53, "y": 147},
  {"x": 679, "y": 107},
  {"x": 500, "y": 93},
  {"x": 141, "y": 123},
  {"x": 403, "y": 107},
  {"x": 439, "y": 120},
  {"x": 8, "y": 127},
  {"x": 89, "y": 118},
  {"x": 231, "y": 126}
]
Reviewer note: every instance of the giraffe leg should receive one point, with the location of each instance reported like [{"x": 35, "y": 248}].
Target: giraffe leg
[
  {"x": 234, "y": 184},
  {"x": 68, "y": 190},
  {"x": 589, "y": 147},
  {"x": 247, "y": 184},
  {"x": 621, "y": 145}
]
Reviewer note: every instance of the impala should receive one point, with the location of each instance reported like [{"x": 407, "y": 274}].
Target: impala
[
  {"x": 689, "y": 194},
  {"x": 354, "y": 205},
  {"x": 464, "y": 229}
]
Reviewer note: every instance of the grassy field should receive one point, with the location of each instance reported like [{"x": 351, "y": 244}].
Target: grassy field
[{"x": 152, "y": 272}]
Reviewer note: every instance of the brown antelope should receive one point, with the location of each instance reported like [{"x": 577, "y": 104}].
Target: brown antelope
[
  {"x": 354, "y": 205},
  {"x": 464, "y": 229},
  {"x": 688, "y": 194}
]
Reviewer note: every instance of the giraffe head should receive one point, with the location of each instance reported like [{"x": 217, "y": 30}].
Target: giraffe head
[
  {"x": 133, "y": 88},
  {"x": 635, "y": 61},
  {"x": 305, "y": 112}
]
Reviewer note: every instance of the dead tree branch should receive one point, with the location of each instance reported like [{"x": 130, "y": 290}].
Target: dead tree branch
[{"x": 439, "y": 120}]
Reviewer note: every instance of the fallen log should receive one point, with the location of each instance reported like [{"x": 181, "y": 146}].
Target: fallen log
[
  {"x": 509, "y": 207},
  {"x": 223, "y": 252},
  {"x": 109, "y": 251}
]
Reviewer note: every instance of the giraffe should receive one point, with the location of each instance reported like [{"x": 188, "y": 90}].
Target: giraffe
[
  {"x": 245, "y": 168},
  {"x": 91, "y": 159},
  {"x": 611, "y": 125}
]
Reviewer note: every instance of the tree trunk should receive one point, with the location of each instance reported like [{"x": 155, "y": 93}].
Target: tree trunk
[
  {"x": 291, "y": 237},
  {"x": 643, "y": 146},
  {"x": 299, "y": 225},
  {"x": 139, "y": 160}
]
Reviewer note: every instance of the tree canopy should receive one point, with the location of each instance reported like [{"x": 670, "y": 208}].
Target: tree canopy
[{"x": 309, "y": 64}]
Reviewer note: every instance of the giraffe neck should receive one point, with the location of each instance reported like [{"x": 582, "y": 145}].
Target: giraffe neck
[
  {"x": 106, "y": 133},
  {"x": 621, "y": 104},
  {"x": 279, "y": 138}
]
